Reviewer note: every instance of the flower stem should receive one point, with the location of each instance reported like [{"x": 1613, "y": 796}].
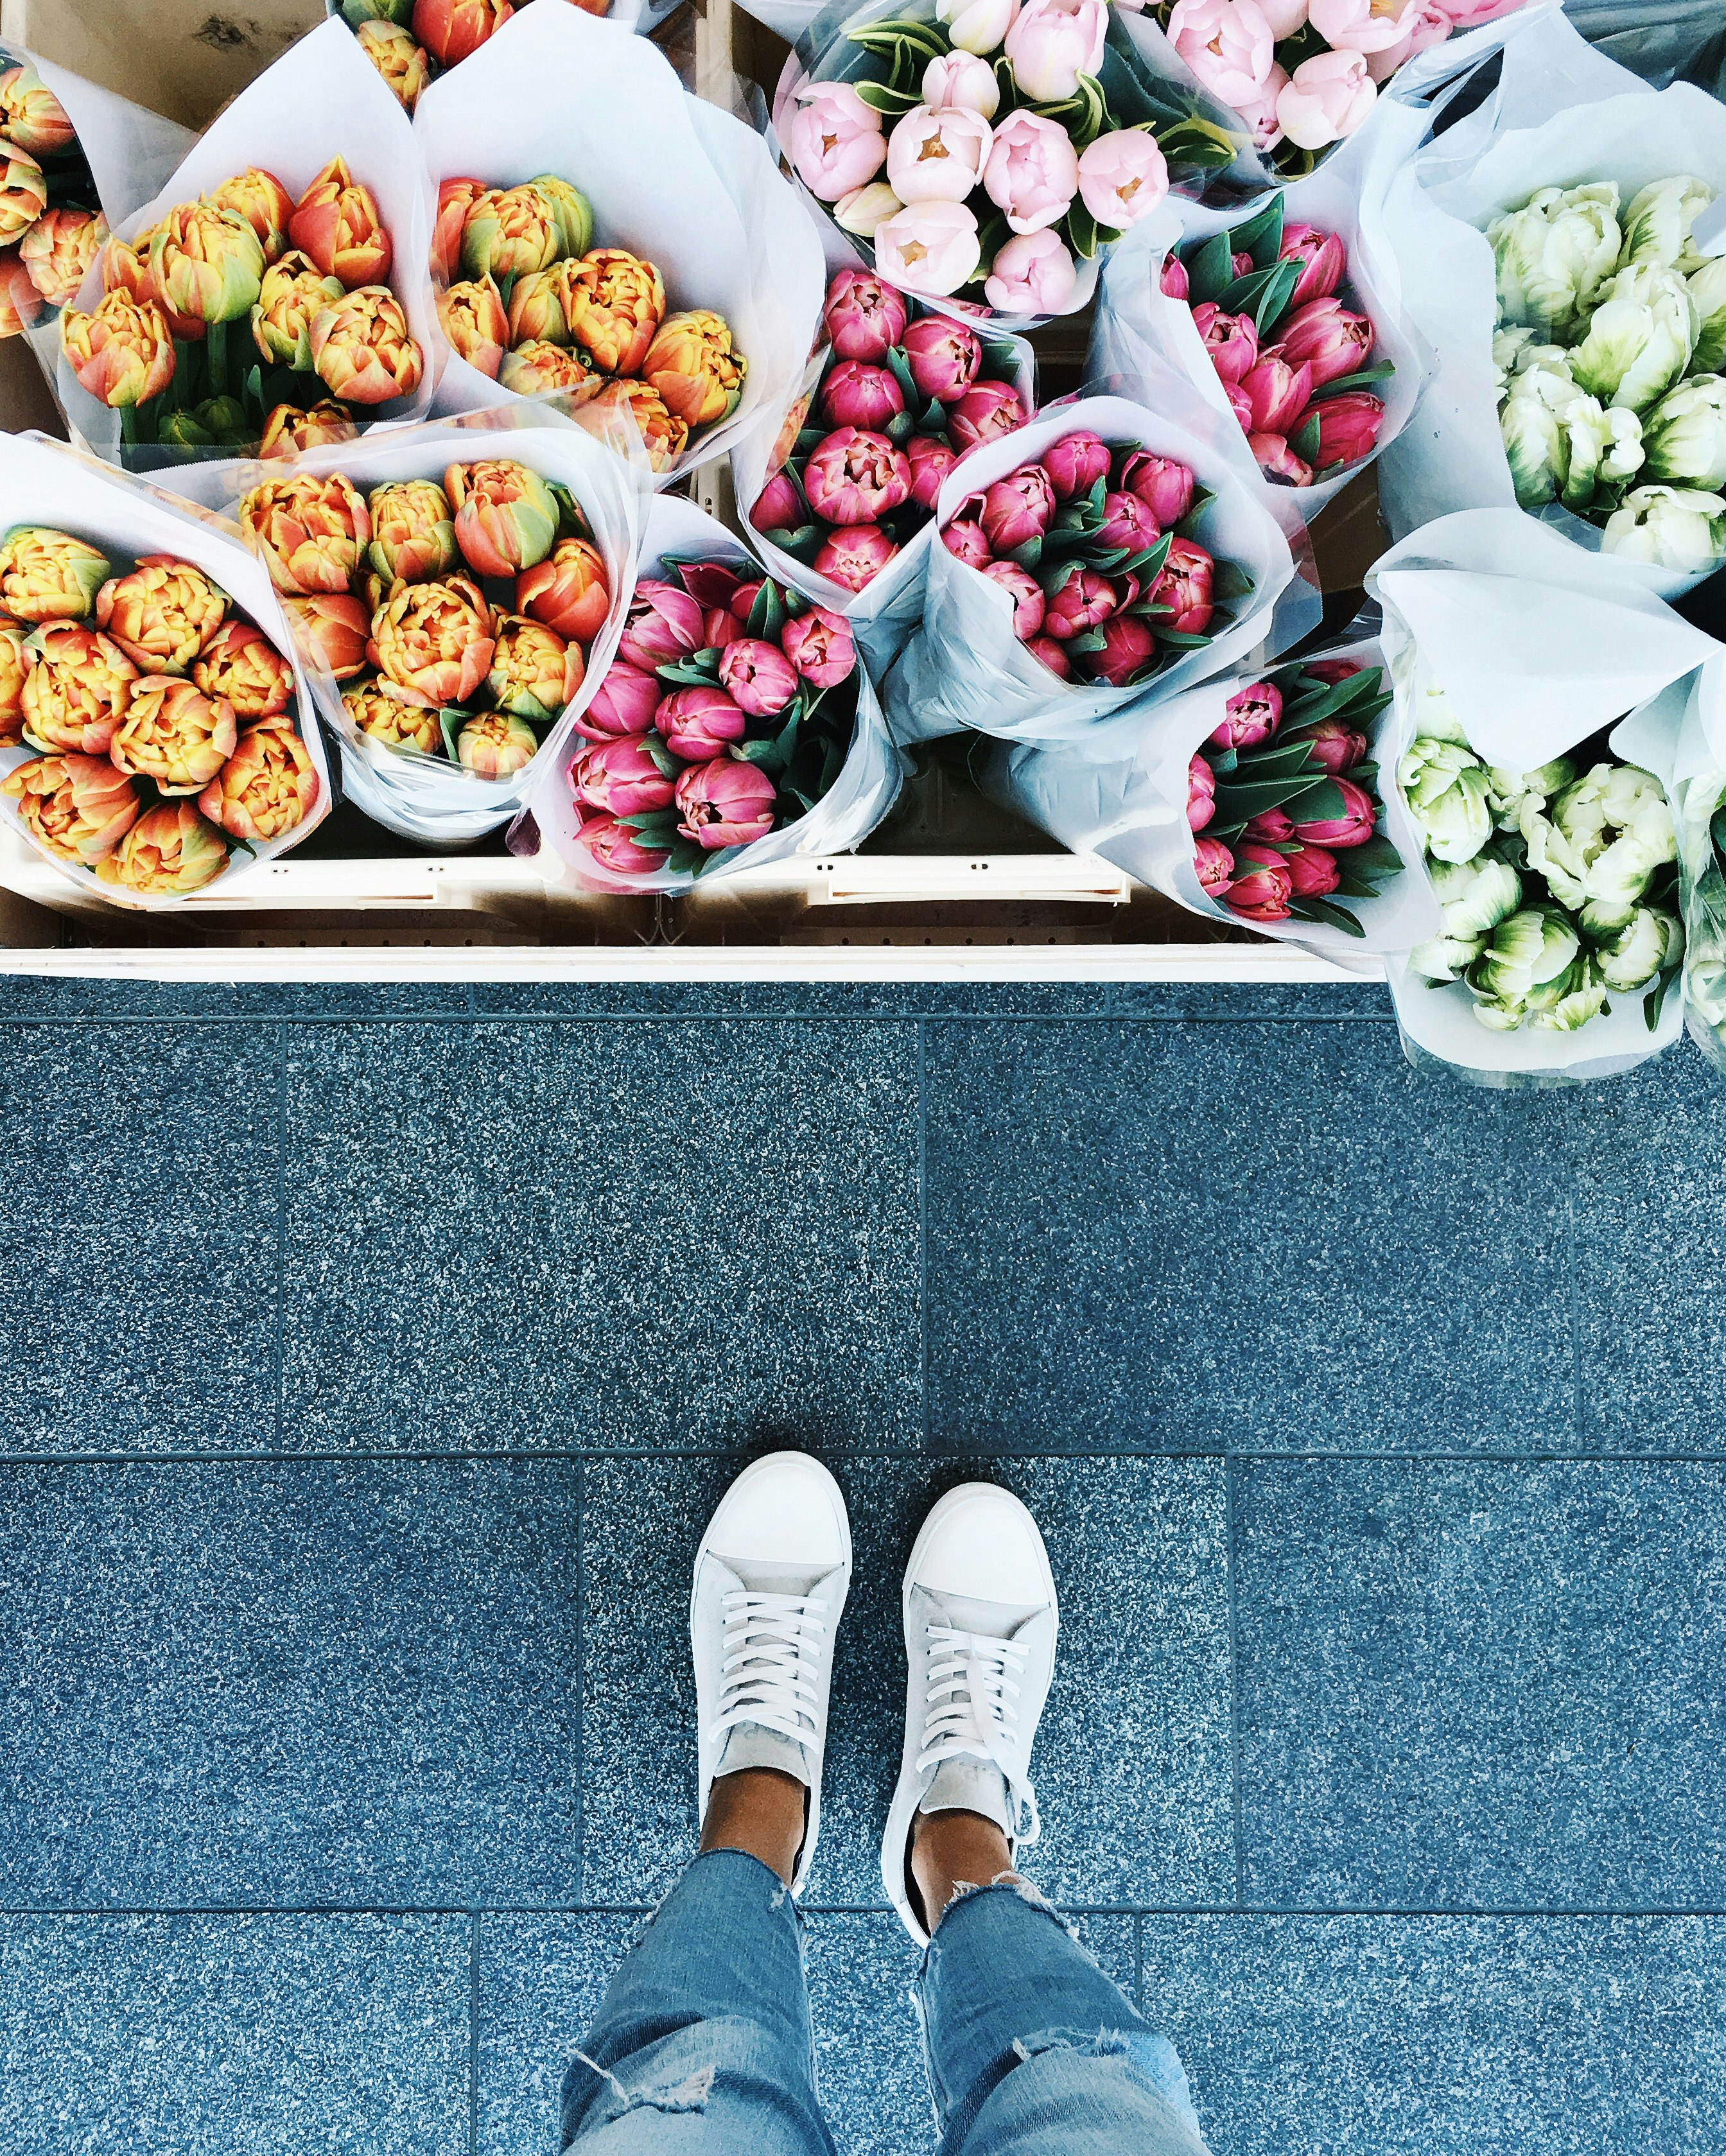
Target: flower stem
[
  {"x": 128, "y": 424},
  {"x": 217, "y": 341}
]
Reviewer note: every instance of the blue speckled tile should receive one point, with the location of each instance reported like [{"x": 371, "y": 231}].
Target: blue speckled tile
[
  {"x": 1651, "y": 1256},
  {"x": 1446, "y": 2036},
  {"x": 814, "y": 999},
  {"x": 1134, "y": 1760},
  {"x": 1466, "y": 1685},
  {"x": 607, "y": 1232},
  {"x": 1265, "y": 1000},
  {"x": 24, "y": 996},
  {"x": 539, "y": 1982},
  {"x": 138, "y": 1237},
  {"x": 1264, "y": 1236},
  {"x": 211, "y": 2035},
  {"x": 298, "y": 1684}
]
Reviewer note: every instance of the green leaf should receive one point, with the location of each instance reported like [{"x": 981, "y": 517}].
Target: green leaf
[
  {"x": 900, "y": 370},
  {"x": 1360, "y": 379},
  {"x": 1209, "y": 270},
  {"x": 1029, "y": 555},
  {"x": 891, "y": 36},
  {"x": 1260, "y": 236},
  {"x": 1273, "y": 301},
  {"x": 901, "y": 427},
  {"x": 1181, "y": 639},
  {"x": 880, "y": 97},
  {"x": 1093, "y": 640},
  {"x": 766, "y": 753},
  {"x": 1081, "y": 231},
  {"x": 1305, "y": 443},
  {"x": 767, "y": 616},
  {"x": 1243, "y": 295},
  {"x": 449, "y": 720},
  {"x": 688, "y": 673},
  {"x": 1238, "y": 803},
  {"x": 1280, "y": 760},
  {"x": 1322, "y": 910},
  {"x": 664, "y": 762}
]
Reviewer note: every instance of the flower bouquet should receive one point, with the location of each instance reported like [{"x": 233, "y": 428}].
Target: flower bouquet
[
  {"x": 1084, "y": 563},
  {"x": 983, "y": 152},
  {"x": 1697, "y": 786},
  {"x": 411, "y": 43},
  {"x": 272, "y": 298},
  {"x": 455, "y": 594},
  {"x": 680, "y": 292},
  {"x": 737, "y": 726},
  {"x": 155, "y": 736}
]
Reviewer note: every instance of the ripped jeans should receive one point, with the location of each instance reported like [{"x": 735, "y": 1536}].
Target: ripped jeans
[{"x": 704, "y": 2045}]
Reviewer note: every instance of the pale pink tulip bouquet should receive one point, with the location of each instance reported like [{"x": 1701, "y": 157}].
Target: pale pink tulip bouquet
[
  {"x": 987, "y": 151},
  {"x": 904, "y": 394}
]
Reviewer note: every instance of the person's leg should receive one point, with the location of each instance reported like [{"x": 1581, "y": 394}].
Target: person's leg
[
  {"x": 1031, "y": 2051},
  {"x": 703, "y": 2046}
]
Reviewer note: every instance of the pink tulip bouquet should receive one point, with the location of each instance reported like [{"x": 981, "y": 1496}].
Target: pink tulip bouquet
[
  {"x": 1282, "y": 798},
  {"x": 904, "y": 394},
  {"x": 986, "y": 151}
]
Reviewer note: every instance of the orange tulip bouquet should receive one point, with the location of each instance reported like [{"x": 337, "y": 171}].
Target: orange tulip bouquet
[
  {"x": 411, "y": 42},
  {"x": 272, "y": 297},
  {"x": 154, "y": 731},
  {"x": 455, "y": 594},
  {"x": 612, "y": 243}
]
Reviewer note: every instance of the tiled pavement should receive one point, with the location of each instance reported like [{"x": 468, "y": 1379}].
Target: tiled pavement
[{"x": 372, "y": 1358}]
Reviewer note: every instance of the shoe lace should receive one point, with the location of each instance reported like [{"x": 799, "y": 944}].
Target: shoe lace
[
  {"x": 973, "y": 1713},
  {"x": 771, "y": 1674}
]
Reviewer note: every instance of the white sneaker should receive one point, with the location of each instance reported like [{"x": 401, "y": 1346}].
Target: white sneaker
[
  {"x": 980, "y": 1622},
  {"x": 771, "y": 1578}
]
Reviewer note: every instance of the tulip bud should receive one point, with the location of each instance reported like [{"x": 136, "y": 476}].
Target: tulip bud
[
  {"x": 697, "y": 724},
  {"x": 1553, "y": 254},
  {"x": 123, "y": 354},
  {"x": 820, "y": 645},
  {"x": 509, "y": 232},
  {"x": 75, "y": 690},
  {"x": 857, "y": 395},
  {"x": 361, "y": 348},
  {"x": 1347, "y": 429},
  {"x": 336, "y": 223},
  {"x": 614, "y": 302},
  {"x": 453, "y": 30},
  {"x": 855, "y": 476},
  {"x": 692, "y": 367},
  {"x": 1076, "y": 463},
  {"x": 1231, "y": 341},
  {"x": 31, "y": 116},
  {"x": 506, "y": 516},
  {"x": 1129, "y": 647},
  {"x": 853, "y": 555},
  {"x": 1323, "y": 259},
  {"x": 171, "y": 851},
  {"x": 413, "y": 533},
  {"x": 1650, "y": 941},
  {"x": 14, "y": 665},
  {"x": 309, "y": 532},
  {"x": 1639, "y": 338},
  {"x": 725, "y": 804},
  {"x": 48, "y": 576},
  {"x": 620, "y": 777},
  {"x": 1445, "y": 785},
  {"x": 625, "y": 703},
  {"x": 241, "y": 666},
  {"x": 1312, "y": 872},
  {"x": 865, "y": 318},
  {"x": 335, "y": 627},
  {"x": 1182, "y": 592},
  {"x": 864, "y": 209},
  {"x": 24, "y": 193},
  {"x": 1201, "y": 793},
  {"x": 986, "y": 412},
  {"x": 1082, "y": 601},
  {"x": 1707, "y": 287},
  {"x": 620, "y": 849},
  {"x": 1127, "y": 523},
  {"x": 1277, "y": 461},
  {"x": 930, "y": 462},
  {"x": 403, "y": 65},
  {"x": 962, "y": 535},
  {"x": 1017, "y": 508},
  {"x": 758, "y": 677},
  {"x": 944, "y": 357},
  {"x": 567, "y": 591},
  {"x": 1474, "y": 896},
  {"x": 1165, "y": 487},
  {"x": 779, "y": 507},
  {"x": 265, "y": 205},
  {"x": 1673, "y": 527},
  {"x": 1214, "y": 864},
  {"x": 290, "y": 296},
  {"x": 162, "y": 613},
  {"x": 289, "y": 431},
  {"x": 1328, "y": 339},
  {"x": 1250, "y": 716},
  {"x": 382, "y": 717},
  {"x": 1684, "y": 438},
  {"x": 1332, "y": 745},
  {"x": 77, "y": 809},
  {"x": 455, "y": 199},
  {"x": 535, "y": 308},
  {"x": 496, "y": 745},
  {"x": 1172, "y": 282},
  {"x": 1053, "y": 655},
  {"x": 662, "y": 435},
  {"x": 1353, "y": 825},
  {"x": 171, "y": 732},
  {"x": 1026, "y": 593},
  {"x": 664, "y": 624},
  {"x": 56, "y": 252},
  {"x": 266, "y": 788},
  {"x": 1261, "y": 887},
  {"x": 571, "y": 210},
  {"x": 433, "y": 642}
]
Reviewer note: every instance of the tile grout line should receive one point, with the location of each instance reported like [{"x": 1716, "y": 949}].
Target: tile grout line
[
  {"x": 281, "y": 1225},
  {"x": 405, "y": 1456},
  {"x": 922, "y": 1229},
  {"x": 1234, "y": 1683},
  {"x": 474, "y": 1913},
  {"x": 473, "y": 2032}
]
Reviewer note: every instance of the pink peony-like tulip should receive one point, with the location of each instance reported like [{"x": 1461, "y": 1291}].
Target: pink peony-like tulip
[
  {"x": 1017, "y": 508},
  {"x": 1032, "y": 274},
  {"x": 1227, "y": 43},
  {"x": 1353, "y": 26},
  {"x": 1259, "y": 111},
  {"x": 1172, "y": 282},
  {"x": 1032, "y": 173},
  {"x": 960, "y": 78},
  {"x": 854, "y": 555},
  {"x": 1127, "y": 522},
  {"x": 930, "y": 462},
  {"x": 697, "y": 723},
  {"x": 720, "y": 628},
  {"x": 1330, "y": 340},
  {"x": 1123, "y": 177},
  {"x": 1312, "y": 872},
  {"x": 1076, "y": 463},
  {"x": 624, "y": 704},
  {"x": 1052, "y": 654},
  {"x": 938, "y": 154},
  {"x": 1353, "y": 828},
  {"x": 985, "y": 414},
  {"x": 943, "y": 355},
  {"x": 865, "y": 318},
  {"x": 931, "y": 247},
  {"x": 1052, "y": 43},
  {"x": 1083, "y": 601},
  {"x": 1261, "y": 885},
  {"x": 1164, "y": 484},
  {"x": 1273, "y": 825},
  {"x": 1322, "y": 257},
  {"x": 1129, "y": 644},
  {"x": 854, "y": 476},
  {"x": 1026, "y": 593},
  {"x": 1250, "y": 716},
  {"x": 857, "y": 394},
  {"x": 1240, "y": 404},
  {"x": 779, "y": 507},
  {"x": 1327, "y": 97},
  {"x": 1231, "y": 340},
  {"x": 1276, "y": 393},
  {"x": 963, "y": 536},
  {"x": 725, "y": 804},
  {"x": 836, "y": 143},
  {"x": 1277, "y": 460},
  {"x": 1201, "y": 793},
  {"x": 619, "y": 848},
  {"x": 1183, "y": 587},
  {"x": 1215, "y": 864},
  {"x": 758, "y": 677},
  {"x": 663, "y": 625},
  {"x": 820, "y": 645},
  {"x": 1333, "y": 744},
  {"x": 1348, "y": 427},
  {"x": 620, "y": 777}
]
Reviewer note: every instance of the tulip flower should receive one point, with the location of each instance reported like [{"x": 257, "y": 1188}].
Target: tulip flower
[
  {"x": 123, "y": 354},
  {"x": 1474, "y": 896},
  {"x": 931, "y": 247},
  {"x": 1327, "y": 97},
  {"x": 984, "y": 413},
  {"x": 263, "y": 202},
  {"x": 1051, "y": 43},
  {"x": 836, "y": 142},
  {"x": 455, "y": 199},
  {"x": 162, "y": 613},
  {"x": 23, "y": 193},
  {"x": 171, "y": 732},
  {"x": 854, "y": 477},
  {"x": 1075, "y": 463},
  {"x": 433, "y": 642},
  {"x": 1026, "y": 593},
  {"x": 496, "y": 745},
  {"x": 1353, "y": 26},
  {"x": 937, "y": 154},
  {"x": 620, "y": 777},
  {"x": 961, "y": 79},
  {"x": 535, "y": 310},
  {"x": 171, "y": 851},
  {"x": 240, "y": 665},
  {"x": 78, "y": 808},
  {"x": 361, "y": 348},
  {"x": 75, "y": 691},
  {"x": 1323, "y": 259},
  {"x": 48, "y": 576},
  {"x": 1639, "y": 338},
  {"x": 505, "y": 516},
  {"x": 1509, "y": 792},
  {"x": 337, "y": 628},
  {"x": 1332, "y": 745},
  {"x": 664, "y": 624},
  {"x": 413, "y": 533},
  {"x": 1348, "y": 427},
  {"x": 963, "y": 537},
  {"x": 853, "y": 555},
  {"x": 1172, "y": 281},
  {"x": 614, "y": 302},
  {"x": 1053, "y": 655},
  {"x": 1313, "y": 872},
  {"x": 865, "y": 210},
  {"x": 1231, "y": 340},
  {"x": 32, "y": 118},
  {"x": 1553, "y": 254},
  {"x": 452, "y": 30},
  {"x": 1017, "y": 508},
  {"x": 1227, "y": 43},
  {"x": 509, "y": 232},
  {"x": 1328, "y": 338},
  {"x": 976, "y": 26},
  {"x": 820, "y": 645},
  {"x": 1657, "y": 221},
  {"x": 1352, "y": 827},
  {"x": 725, "y": 804},
  {"x": 624, "y": 704},
  {"x": 1182, "y": 591},
  {"x": 698, "y": 724},
  {"x": 1261, "y": 887},
  {"x": 292, "y": 293},
  {"x": 1707, "y": 287},
  {"x": 1123, "y": 177},
  {"x": 267, "y": 786},
  {"x": 20, "y": 302},
  {"x": 310, "y": 532},
  {"x": 1216, "y": 867},
  {"x": 1259, "y": 111},
  {"x": 1683, "y": 438},
  {"x": 930, "y": 462},
  {"x": 58, "y": 250},
  {"x": 1275, "y": 826},
  {"x": 14, "y": 665},
  {"x": 567, "y": 592},
  {"x": 1129, "y": 644},
  {"x": 1082, "y": 601},
  {"x": 336, "y": 223},
  {"x": 944, "y": 356},
  {"x": 1250, "y": 716},
  {"x": 1201, "y": 793},
  {"x": 864, "y": 317},
  {"x": 538, "y": 369},
  {"x": 403, "y": 64},
  {"x": 620, "y": 849},
  {"x": 662, "y": 435},
  {"x": 1672, "y": 527},
  {"x": 1649, "y": 943},
  {"x": 1032, "y": 172},
  {"x": 1276, "y": 393},
  {"x": 1032, "y": 274},
  {"x": 383, "y": 716},
  {"x": 691, "y": 367},
  {"x": 571, "y": 210},
  {"x": 758, "y": 677},
  {"x": 1445, "y": 786}
]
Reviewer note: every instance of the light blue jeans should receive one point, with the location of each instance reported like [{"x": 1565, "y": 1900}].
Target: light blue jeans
[{"x": 704, "y": 2045}]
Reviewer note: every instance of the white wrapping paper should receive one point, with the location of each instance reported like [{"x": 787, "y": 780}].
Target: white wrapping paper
[
  {"x": 44, "y": 482},
  {"x": 321, "y": 99},
  {"x": 862, "y": 793},
  {"x": 1537, "y": 646},
  {"x": 965, "y": 668},
  {"x": 685, "y": 185}
]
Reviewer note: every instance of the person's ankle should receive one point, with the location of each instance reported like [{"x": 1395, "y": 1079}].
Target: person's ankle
[
  {"x": 950, "y": 1852},
  {"x": 760, "y": 1812}
]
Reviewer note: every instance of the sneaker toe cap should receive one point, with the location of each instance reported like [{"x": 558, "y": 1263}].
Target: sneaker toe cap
[
  {"x": 786, "y": 1510},
  {"x": 986, "y": 1547}
]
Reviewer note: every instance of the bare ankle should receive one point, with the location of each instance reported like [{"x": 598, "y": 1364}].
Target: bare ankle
[
  {"x": 760, "y": 1812},
  {"x": 952, "y": 1850}
]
